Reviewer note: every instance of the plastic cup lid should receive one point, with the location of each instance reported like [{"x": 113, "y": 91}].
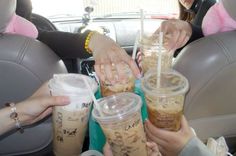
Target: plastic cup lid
[
  {"x": 117, "y": 106},
  {"x": 91, "y": 153},
  {"x": 171, "y": 83},
  {"x": 71, "y": 84}
]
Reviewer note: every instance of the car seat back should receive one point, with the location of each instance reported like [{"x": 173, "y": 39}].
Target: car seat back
[
  {"x": 210, "y": 66},
  {"x": 25, "y": 64}
]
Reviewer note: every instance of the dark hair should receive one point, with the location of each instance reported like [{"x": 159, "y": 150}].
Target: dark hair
[
  {"x": 24, "y": 9},
  {"x": 185, "y": 14}
]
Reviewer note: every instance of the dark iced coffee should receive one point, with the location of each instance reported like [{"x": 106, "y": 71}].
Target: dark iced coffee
[
  {"x": 165, "y": 102},
  {"x": 168, "y": 115}
]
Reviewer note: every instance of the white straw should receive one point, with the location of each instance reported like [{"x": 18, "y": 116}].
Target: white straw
[
  {"x": 229, "y": 154},
  {"x": 159, "y": 59},
  {"x": 135, "y": 45},
  {"x": 142, "y": 23},
  {"x": 92, "y": 95}
]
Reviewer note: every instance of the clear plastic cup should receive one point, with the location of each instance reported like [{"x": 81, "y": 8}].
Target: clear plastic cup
[
  {"x": 70, "y": 121},
  {"x": 165, "y": 102},
  {"x": 91, "y": 153},
  {"x": 127, "y": 85},
  {"x": 150, "y": 52},
  {"x": 121, "y": 122}
]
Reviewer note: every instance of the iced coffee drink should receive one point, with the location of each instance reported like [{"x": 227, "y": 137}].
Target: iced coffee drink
[
  {"x": 127, "y": 85},
  {"x": 70, "y": 121},
  {"x": 150, "y": 51},
  {"x": 165, "y": 102},
  {"x": 122, "y": 124},
  {"x": 69, "y": 131},
  {"x": 150, "y": 60}
]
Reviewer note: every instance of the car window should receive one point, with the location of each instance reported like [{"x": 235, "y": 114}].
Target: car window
[{"x": 106, "y": 8}]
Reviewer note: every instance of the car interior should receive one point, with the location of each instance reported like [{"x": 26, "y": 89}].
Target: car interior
[
  {"x": 25, "y": 65},
  {"x": 208, "y": 63},
  {"x": 210, "y": 102},
  {"x": 20, "y": 78}
]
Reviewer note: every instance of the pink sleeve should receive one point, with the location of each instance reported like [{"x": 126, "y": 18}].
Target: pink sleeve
[
  {"x": 21, "y": 26},
  {"x": 25, "y": 27},
  {"x": 212, "y": 21}
]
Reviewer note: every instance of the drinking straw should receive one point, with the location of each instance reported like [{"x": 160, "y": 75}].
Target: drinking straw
[
  {"x": 229, "y": 154},
  {"x": 141, "y": 22},
  {"x": 135, "y": 45},
  {"x": 97, "y": 106},
  {"x": 159, "y": 59}
]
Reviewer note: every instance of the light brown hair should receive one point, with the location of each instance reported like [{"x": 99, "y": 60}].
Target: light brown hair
[{"x": 185, "y": 15}]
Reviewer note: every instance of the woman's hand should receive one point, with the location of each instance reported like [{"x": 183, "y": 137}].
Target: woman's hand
[
  {"x": 39, "y": 105},
  {"x": 176, "y": 33},
  {"x": 187, "y": 4},
  {"x": 110, "y": 56},
  {"x": 153, "y": 149},
  {"x": 42, "y": 91},
  {"x": 107, "y": 150},
  {"x": 169, "y": 143}
]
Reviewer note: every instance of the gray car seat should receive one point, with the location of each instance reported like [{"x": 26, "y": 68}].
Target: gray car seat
[
  {"x": 210, "y": 66},
  {"x": 25, "y": 64}
]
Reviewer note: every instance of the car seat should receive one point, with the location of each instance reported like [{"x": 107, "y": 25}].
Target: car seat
[
  {"x": 210, "y": 66},
  {"x": 25, "y": 64}
]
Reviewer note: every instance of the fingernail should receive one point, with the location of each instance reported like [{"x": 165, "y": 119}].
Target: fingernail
[
  {"x": 66, "y": 100},
  {"x": 113, "y": 82},
  {"x": 139, "y": 76},
  {"x": 124, "y": 79},
  {"x": 147, "y": 121}
]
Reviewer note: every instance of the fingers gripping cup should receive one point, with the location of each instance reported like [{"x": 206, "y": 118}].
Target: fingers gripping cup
[
  {"x": 126, "y": 85},
  {"x": 70, "y": 122},
  {"x": 165, "y": 103},
  {"x": 122, "y": 124}
]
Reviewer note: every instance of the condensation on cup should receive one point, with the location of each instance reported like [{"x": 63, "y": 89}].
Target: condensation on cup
[
  {"x": 150, "y": 51},
  {"x": 70, "y": 121},
  {"x": 165, "y": 102},
  {"x": 120, "y": 119}
]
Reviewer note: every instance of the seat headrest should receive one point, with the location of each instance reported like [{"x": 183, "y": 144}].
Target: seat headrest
[
  {"x": 28, "y": 63},
  {"x": 7, "y": 10}
]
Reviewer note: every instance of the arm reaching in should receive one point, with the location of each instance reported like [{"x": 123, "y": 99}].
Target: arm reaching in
[
  {"x": 110, "y": 56},
  {"x": 176, "y": 33},
  {"x": 31, "y": 110}
]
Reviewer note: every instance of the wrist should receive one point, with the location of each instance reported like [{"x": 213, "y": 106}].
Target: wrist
[
  {"x": 14, "y": 116},
  {"x": 88, "y": 45},
  {"x": 23, "y": 113},
  {"x": 96, "y": 36},
  {"x": 9, "y": 123},
  {"x": 188, "y": 28}
]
